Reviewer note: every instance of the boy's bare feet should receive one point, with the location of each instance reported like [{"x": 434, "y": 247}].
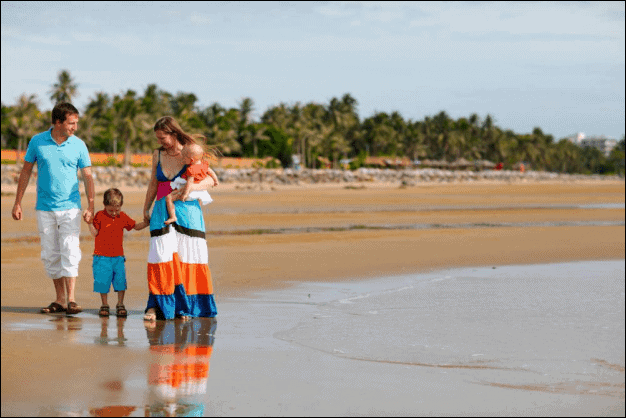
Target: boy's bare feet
[{"x": 170, "y": 220}]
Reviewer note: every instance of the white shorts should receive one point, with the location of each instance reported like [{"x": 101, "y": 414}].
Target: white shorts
[{"x": 60, "y": 249}]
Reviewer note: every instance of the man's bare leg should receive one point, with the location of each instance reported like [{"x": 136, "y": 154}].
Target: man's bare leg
[
  {"x": 59, "y": 288},
  {"x": 70, "y": 285}
]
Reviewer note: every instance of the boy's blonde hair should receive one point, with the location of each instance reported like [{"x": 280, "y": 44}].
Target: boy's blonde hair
[{"x": 113, "y": 196}]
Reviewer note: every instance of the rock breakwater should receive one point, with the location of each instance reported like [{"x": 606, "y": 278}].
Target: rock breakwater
[{"x": 140, "y": 176}]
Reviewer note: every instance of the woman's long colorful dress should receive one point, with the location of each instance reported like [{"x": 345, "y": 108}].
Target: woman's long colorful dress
[{"x": 179, "y": 278}]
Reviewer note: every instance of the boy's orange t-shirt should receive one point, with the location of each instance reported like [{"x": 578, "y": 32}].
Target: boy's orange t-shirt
[
  {"x": 110, "y": 238},
  {"x": 197, "y": 171}
]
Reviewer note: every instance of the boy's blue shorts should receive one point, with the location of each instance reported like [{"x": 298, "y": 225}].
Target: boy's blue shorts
[{"x": 107, "y": 270}]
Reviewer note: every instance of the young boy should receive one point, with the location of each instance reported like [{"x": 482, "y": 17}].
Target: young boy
[
  {"x": 108, "y": 256},
  {"x": 197, "y": 170}
]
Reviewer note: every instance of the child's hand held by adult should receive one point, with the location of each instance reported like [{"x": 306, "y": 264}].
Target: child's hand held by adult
[
  {"x": 88, "y": 216},
  {"x": 17, "y": 212}
]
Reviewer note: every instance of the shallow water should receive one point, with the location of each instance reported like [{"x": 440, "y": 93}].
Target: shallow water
[
  {"x": 557, "y": 323},
  {"x": 514, "y": 340}
]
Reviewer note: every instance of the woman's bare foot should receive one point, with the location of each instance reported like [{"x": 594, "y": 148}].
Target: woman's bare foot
[
  {"x": 171, "y": 220},
  {"x": 150, "y": 315}
]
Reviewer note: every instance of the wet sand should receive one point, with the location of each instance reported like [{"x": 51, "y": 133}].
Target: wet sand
[{"x": 262, "y": 242}]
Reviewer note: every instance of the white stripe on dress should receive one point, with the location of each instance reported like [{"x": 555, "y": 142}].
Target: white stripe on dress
[
  {"x": 162, "y": 248},
  {"x": 192, "y": 250}
]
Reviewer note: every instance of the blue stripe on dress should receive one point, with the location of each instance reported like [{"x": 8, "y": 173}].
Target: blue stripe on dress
[
  {"x": 189, "y": 215},
  {"x": 181, "y": 304}
]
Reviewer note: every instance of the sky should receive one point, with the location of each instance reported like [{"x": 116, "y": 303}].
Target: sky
[{"x": 557, "y": 66}]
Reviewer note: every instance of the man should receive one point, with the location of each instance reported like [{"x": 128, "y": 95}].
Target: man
[{"x": 59, "y": 154}]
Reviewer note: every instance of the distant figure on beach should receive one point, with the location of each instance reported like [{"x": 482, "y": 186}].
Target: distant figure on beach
[
  {"x": 197, "y": 170},
  {"x": 500, "y": 166},
  {"x": 59, "y": 155},
  {"x": 179, "y": 279},
  {"x": 108, "y": 255}
]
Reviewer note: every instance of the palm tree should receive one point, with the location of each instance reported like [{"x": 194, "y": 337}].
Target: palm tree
[
  {"x": 244, "y": 135},
  {"x": 246, "y": 107},
  {"x": 131, "y": 123},
  {"x": 223, "y": 132},
  {"x": 24, "y": 121},
  {"x": 65, "y": 89},
  {"x": 156, "y": 102}
]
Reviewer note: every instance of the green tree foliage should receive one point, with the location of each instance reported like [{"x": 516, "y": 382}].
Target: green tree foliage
[
  {"x": 65, "y": 89},
  {"x": 332, "y": 131}
]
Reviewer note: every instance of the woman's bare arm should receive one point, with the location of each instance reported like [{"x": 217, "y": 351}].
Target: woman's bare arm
[
  {"x": 152, "y": 188},
  {"x": 202, "y": 184}
]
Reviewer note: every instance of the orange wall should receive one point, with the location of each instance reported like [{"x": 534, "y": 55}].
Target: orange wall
[
  {"x": 96, "y": 157},
  {"x": 146, "y": 159}
]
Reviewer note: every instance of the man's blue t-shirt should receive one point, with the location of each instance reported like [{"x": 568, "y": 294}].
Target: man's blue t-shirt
[{"x": 57, "y": 170}]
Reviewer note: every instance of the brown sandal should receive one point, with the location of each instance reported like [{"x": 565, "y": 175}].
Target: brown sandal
[
  {"x": 104, "y": 310},
  {"x": 73, "y": 308},
  {"x": 53, "y": 308},
  {"x": 121, "y": 311}
]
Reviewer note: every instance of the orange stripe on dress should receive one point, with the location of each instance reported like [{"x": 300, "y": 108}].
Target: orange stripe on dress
[
  {"x": 197, "y": 279},
  {"x": 175, "y": 374},
  {"x": 163, "y": 277}
]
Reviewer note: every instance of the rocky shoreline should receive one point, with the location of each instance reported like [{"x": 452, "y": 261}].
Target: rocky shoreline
[{"x": 139, "y": 176}]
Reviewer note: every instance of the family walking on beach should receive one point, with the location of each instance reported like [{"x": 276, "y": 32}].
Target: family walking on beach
[{"x": 179, "y": 279}]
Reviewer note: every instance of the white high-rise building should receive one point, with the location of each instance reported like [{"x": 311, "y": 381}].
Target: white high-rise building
[
  {"x": 602, "y": 143},
  {"x": 605, "y": 145}
]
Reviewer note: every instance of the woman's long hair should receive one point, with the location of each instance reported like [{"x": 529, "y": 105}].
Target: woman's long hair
[{"x": 169, "y": 125}]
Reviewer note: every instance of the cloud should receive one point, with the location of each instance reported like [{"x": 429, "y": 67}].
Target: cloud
[
  {"x": 132, "y": 44},
  {"x": 14, "y": 33},
  {"x": 334, "y": 10},
  {"x": 365, "y": 11},
  {"x": 199, "y": 19}
]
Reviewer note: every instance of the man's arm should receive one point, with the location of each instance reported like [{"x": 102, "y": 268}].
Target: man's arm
[
  {"x": 91, "y": 193},
  {"x": 22, "y": 183}
]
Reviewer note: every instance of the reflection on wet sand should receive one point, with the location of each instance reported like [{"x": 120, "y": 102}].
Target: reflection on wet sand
[
  {"x": 180, "y": 368},
  {"x": 104, "y": 333},
  {"x": 67, "y": 323},
  {"x": 177, "y": 375}
]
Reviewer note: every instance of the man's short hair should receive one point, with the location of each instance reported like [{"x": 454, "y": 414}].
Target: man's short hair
[
  {"x": 61, "y": 110},
  {"x": 113, "y": 196}
]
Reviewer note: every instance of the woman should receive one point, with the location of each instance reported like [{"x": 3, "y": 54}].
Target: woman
[{"x": 179, "y": 278}]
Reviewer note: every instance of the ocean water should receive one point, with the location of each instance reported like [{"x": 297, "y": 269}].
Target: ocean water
[{"x": 557, "y": 322}]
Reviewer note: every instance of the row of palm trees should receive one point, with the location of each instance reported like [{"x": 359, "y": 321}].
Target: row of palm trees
[{"x": 332, "y": 131}]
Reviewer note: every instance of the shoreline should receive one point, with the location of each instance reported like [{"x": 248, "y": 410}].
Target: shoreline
[{"x": 530, "y": 223}]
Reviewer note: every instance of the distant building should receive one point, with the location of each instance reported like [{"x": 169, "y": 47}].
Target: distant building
[
  {"x": 601, "y": 143},
  {"x": 605, "y": 145},
  {"x": 577, "y": 138}
]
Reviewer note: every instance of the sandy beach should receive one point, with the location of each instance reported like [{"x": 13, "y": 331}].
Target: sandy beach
[{"x": 278, "y": 255}]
